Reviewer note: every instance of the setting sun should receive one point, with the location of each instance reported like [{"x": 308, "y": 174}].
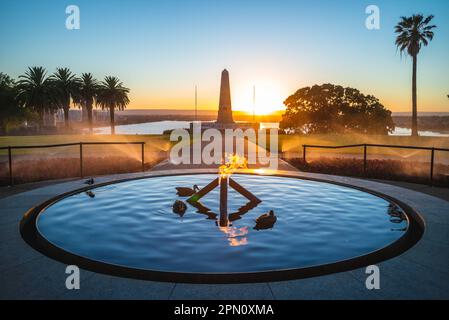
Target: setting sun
[{"x": 269, "y": 97}]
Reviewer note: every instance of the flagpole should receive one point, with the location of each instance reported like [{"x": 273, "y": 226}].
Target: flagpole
[
  {"x": 196, "y": 103},
  {"x": 254, "y": 104}
]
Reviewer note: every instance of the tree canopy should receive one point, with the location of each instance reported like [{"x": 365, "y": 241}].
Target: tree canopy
[
  {"x": 11, "y": 113},
  {"x": 112, "y": 95},
  {"x": 34, "y": 92},
  {"x": 65, "y": 86},
  {"x": 413, "y": 33},
  {"x": 331, "y": 108}
]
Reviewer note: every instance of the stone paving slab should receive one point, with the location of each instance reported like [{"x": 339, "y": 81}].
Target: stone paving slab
[
  {"x": 15, "y": 252},
  {"x": 438, "y": 232},
  {"x": 400, "y": 279},
  {"x": 252, "y": 291},
  {"x": 100, "y": 286},
  {"x": 429, "y": 254},
  {"x": 335, "y": 286},
  {"x": 38, "y": 278},
  {"x": 419, "y": 273}
]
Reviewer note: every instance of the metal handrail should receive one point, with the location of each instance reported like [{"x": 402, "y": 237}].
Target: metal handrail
[
  {"x": 68, "y": 144},
  {"x": 365, "y": 151},
  {"x": 80, "y": 144},
  {"x": 374, "y": 145}
]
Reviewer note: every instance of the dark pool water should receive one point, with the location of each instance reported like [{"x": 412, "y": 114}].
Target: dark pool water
[{"x": 132, "y": 224}]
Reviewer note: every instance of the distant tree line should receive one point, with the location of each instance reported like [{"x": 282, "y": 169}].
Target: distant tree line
[{"x": 35, "y": 94}]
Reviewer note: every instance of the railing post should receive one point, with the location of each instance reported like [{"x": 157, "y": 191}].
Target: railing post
[
  {"x": 364, "y": 159},
  {"x": 143, "y": 156},
  {"x": 304, "y": 154},
  {"x": 432, "y": 160},
  {"x": 10, "y": 166},
  {"x": 81, "y": 160}
]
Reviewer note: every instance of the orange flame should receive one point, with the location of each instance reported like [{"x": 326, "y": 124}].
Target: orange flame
[{"x": 234, "y": 162}]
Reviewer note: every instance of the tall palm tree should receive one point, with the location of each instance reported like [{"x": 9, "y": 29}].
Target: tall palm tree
[
  {"x": 111, "y": 96},
  {"x": 87, "y": 95},
  {"x": 414, "y": 32},
  {"x": 65, "y": 86},
  {"x": 34, "y": 92},
  {"x": 10, "y": 110}
]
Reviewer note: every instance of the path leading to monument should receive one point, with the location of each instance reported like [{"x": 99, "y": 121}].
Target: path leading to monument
[
  {"x": 167, "y": 165},
  {"x": 250, "y": 154}
]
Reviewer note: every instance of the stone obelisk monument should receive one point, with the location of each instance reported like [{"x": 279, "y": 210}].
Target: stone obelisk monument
[
  {"x": 224, "y": 117},
  {"x": 225, "y": 107}
]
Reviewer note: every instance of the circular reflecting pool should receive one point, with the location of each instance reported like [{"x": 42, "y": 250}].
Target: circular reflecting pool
[{"x": 132, "y": 224}]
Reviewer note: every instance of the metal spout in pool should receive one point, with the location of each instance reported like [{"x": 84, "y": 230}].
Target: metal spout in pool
[
  {"x": 234, "y": 162},
  {"x": 224, "y": 181},
  {"x": 224, "y": 202}
]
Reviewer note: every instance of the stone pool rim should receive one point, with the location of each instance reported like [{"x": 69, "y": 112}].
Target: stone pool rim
[{"x": 32, "y": 237}]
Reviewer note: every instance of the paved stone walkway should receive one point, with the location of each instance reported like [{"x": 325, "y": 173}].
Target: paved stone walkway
[{"x": 420, "y": 273}]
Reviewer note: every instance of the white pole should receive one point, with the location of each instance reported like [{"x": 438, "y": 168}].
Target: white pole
[
  {"x": 254, "y": 104},
  {"x": 196, "y": 104}
]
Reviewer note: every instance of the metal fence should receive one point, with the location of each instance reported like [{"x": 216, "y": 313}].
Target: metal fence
[
  {"x": 365, "y": 153},
  {"x": 80, "y": 144}
]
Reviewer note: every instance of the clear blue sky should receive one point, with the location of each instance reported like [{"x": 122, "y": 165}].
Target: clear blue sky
[{"x": 161, "y": 49}]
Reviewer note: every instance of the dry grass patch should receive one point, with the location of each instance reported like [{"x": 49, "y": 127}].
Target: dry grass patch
[
  {"x": 32, "y": 170},
  {"x": 386, "y": 169}
]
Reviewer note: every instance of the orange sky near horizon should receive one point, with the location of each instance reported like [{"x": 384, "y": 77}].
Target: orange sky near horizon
[{"x": 269, "y": 98}]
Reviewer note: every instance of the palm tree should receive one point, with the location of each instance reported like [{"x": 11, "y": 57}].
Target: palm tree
[
  {"x": 87, "y": 95},
  {"x": 10, "y": 110},
  {"x": 413, "y": 32},
  {"x": 65, "y": 86},
  {"x": 112, "y": 95},
  {"x": 34, "y": 92}
]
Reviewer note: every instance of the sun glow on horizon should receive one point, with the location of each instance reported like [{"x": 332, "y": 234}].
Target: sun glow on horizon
[{"x": 269, "y": 97}]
